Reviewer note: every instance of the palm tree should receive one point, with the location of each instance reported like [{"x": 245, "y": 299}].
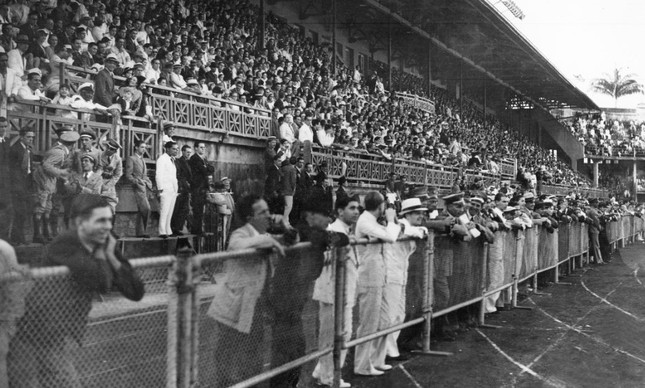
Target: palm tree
[{"x": 617, "y": 85}]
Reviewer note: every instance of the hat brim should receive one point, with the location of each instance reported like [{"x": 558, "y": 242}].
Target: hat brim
[{"x": 413, "y": 209}]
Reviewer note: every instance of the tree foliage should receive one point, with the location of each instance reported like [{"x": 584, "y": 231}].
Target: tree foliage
[{"x": 617, "y": 85}]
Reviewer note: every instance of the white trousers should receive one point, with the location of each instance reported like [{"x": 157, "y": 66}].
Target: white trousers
[
  {"x": 371, "y": 318},
  {"x": 394, "y": 311},
  {"x": 495, "y": 275},
  {"x": 324, "y": 370},
  {"x": 166, "y": 206}
]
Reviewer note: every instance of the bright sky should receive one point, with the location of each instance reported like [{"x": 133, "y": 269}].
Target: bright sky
[{"x": 587, "y": 38}]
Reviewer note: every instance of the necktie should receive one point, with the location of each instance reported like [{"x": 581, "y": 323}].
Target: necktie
[{"x": 86, "y": 175}]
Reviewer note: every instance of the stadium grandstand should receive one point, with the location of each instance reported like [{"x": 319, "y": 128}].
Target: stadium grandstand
[{"x": 176, "y": 112}]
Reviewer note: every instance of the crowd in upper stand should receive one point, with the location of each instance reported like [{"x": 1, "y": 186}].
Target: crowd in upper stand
[
  {"x": 211, "y": 49},
  {"x": 603, "y": 137}
]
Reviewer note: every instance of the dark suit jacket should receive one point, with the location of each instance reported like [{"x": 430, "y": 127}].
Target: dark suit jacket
[
  {"x": 184, "y": 174},
  {"x": 51, "y": 314},
  {"x": 84, "y": 60},
  {"x": 200, "y": 170},
  {"x": 19, "y": 176},
  {"x": 104, "y": 88}
]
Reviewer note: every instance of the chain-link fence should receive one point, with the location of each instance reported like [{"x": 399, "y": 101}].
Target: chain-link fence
[
  {"x": 71, "y": 338},
  {"x": 260, "y": 319}
]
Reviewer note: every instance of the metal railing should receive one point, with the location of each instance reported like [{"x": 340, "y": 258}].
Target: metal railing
[{"x": 259, "y": 316}]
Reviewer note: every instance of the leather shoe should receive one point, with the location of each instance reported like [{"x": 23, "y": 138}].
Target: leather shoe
[
  {"x": 143, "y": 236},
  {"x": 384, "y": 367},
  {"x": 164, "y": 236},
  {"x": 372, "y": 372}
]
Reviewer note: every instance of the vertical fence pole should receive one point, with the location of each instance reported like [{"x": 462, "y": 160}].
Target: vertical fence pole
[
  {"x": 428, "y": 296},
  {"x": 339, "y": 313},
  {"x": 184, "y": 316},
  {"x": 194, "y": 321},
  {"x": 519, "y": 250},
  {"x": 171, "y": 339},
  {"x": 484, "y": 278}
]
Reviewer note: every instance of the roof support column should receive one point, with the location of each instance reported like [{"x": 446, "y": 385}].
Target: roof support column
[
  {"x": 595, "y": 173},
  {"x": 429, "y": 68},
  {"x": 389, "y": 56},
  {"x": 262, "y": 23},
  {"x": 461, "y": 89},
  {"x": 333, "y": 37}
]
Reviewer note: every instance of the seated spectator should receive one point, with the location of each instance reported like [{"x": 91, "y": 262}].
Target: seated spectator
[{"x": 31, "y": 91}]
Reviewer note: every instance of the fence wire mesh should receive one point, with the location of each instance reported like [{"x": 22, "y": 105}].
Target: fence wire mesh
[
  {"x": 259, "y": 313},
  {"x": 529, "y": 253},
  {"x": 466, "y": 260},
  {"x": 564, "y": 244},
  {"x": 107, "y": 342},
  {"x": 547, "y": 248}
]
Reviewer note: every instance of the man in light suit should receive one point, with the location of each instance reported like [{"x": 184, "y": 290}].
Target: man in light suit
[
  {"x": 166, "y": 179},
  {"x": 241, "y": 297},
  {"x": 136, "y": 174},
  {"x": 369, "y": 359}
]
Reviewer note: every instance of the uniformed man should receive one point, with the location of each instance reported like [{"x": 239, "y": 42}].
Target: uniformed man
[{"x": 56, "y": 165}]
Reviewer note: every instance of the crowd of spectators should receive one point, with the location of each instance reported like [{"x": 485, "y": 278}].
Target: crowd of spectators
[
  {"x": 212, "y": 50},
  {"x": 603, "y": 137}
]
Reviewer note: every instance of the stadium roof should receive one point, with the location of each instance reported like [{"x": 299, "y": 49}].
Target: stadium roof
[{"x": 473, "y": 31}]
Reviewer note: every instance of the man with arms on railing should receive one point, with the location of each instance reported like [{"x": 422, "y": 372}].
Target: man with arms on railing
[
  {"x": 30, "y": 91},
  {"x": 240, "y": 300},
  {"x": 43, "y": 350},
  {"x": 370, "y": 356},
  {"x": 397, "y": 257},
  {"x": 347, "y": 213}
]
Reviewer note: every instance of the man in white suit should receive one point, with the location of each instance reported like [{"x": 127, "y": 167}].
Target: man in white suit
[
  {"x": 369, "y": 359},
  {"x": 166, "y": 178}
]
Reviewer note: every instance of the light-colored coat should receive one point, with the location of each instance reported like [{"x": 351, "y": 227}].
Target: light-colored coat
[{"x": 237, "y": 293}]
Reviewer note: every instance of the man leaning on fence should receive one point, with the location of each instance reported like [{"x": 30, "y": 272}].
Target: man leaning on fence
[
  {"x": 397, "y": 257},
  {"x": 347, "y": 212},
  {"x": 240, "y": 300},
  {"x": 293, "y": 287},
  {"x": 42, "y": 352},
  {"x": 370, "y": 356}
]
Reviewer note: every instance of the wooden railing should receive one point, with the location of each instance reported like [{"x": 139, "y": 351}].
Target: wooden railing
[{"x": 44, "y": 120}]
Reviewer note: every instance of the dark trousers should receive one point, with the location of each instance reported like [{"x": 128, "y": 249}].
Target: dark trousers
[
  {"x": 180, "y": 214},
  {"x": 21, "y": 213},
  {"x": 198, "y": 203},
  {"x": 143, "y": 211}
]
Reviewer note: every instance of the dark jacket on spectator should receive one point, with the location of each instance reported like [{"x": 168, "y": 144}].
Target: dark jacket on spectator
[
  {"x": 104, "y": 88},
  {"x": 184, "y": 175},
  {"x": 56, "y": 310},
  {"x": 18, "y": 165},
  {"x": 200, "y": 171}
]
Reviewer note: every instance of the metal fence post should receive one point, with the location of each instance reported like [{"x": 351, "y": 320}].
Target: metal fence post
[
  {"x": 428, "y": 295},
  {"x": 172, "y": 339},
  {"x": 183, "y": 278},
  {"x": 339, "y": 314},
  {"x": 519, "y": 250}
]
